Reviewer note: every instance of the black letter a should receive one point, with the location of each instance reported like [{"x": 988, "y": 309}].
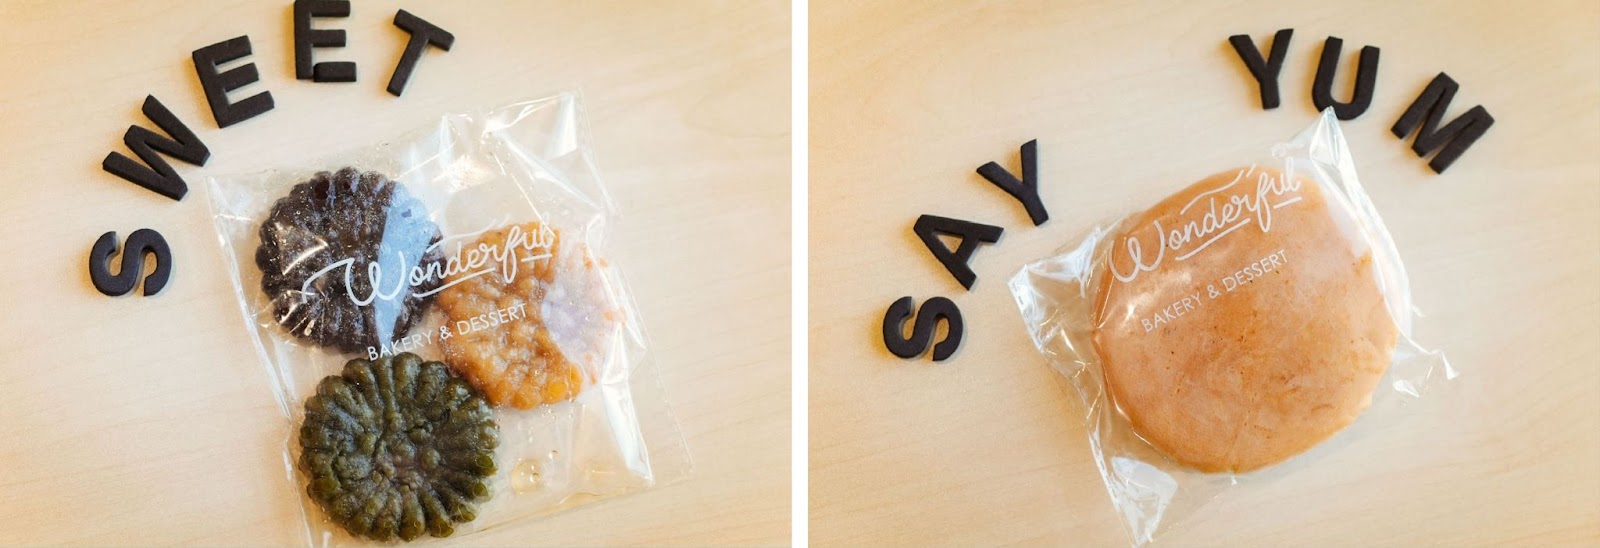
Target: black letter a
[{"x": 971, "y": 233}]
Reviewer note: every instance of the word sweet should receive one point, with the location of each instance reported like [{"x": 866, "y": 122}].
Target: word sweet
[
  {"x": 971, "y": 235},
  {"x": 1427, "y": 111},
  {"x": 179, "y": 142}
]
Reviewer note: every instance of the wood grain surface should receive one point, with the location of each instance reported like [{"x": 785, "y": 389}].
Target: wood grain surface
[
  {"x": 149, "y": 421},
  {"x": 1130, "y": 101}
]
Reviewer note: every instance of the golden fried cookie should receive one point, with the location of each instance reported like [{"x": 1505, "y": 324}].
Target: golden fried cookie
[
  {"x": 1240, "y": 321},
  {"x": 535, "y": 326}
]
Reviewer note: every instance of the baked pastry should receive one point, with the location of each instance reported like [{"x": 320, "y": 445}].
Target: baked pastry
[
  {"x": 536, "y": 327},
  {"x": 316, "y": 247},
  {"x": 396, "y": 447},
  {"x": 1240, "y": 321}
]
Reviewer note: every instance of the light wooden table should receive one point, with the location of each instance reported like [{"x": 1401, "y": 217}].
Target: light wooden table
[
  {"x": 1130, "y": 100},
  {"x": 145, "y": 420}
]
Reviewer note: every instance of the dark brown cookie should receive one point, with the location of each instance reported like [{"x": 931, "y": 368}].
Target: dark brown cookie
[{"x": 318, "y": 245}]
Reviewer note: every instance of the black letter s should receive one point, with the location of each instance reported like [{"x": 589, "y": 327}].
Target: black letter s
[
  {"x": 142, "y": 241},
  {"x": 935, "y": 309}
]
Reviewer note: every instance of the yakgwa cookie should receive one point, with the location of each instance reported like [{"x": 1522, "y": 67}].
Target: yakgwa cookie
[
  {"x": 335, "y": 254},
  {"x": 536, "y": 328}
]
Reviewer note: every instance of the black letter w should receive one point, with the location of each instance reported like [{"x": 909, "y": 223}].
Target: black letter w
[{"x": 159, "y": 176}]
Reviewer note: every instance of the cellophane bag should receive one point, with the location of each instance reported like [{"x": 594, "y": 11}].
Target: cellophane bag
[
  {"x": 451, "y": 345},
  {"x": 1230, "y": 327}
]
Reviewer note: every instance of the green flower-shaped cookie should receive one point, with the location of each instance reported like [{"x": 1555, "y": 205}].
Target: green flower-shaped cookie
[{"x": 396, "y": 447}]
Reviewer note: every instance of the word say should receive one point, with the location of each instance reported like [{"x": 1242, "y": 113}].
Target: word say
[{"x": 970, "y": 235}]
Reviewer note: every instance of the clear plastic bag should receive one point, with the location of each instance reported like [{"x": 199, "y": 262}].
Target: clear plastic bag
[
  {"x": 1235, "y": 324},
  {"x": 479, "y": 243}
]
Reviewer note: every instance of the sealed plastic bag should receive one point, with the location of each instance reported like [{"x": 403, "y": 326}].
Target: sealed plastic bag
[
  {"x": 1231, "y": 326},
  {"x": 449, "y": 343}
]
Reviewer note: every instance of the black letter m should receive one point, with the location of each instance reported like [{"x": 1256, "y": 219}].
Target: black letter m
[{"x": 1428, "y": 111}]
